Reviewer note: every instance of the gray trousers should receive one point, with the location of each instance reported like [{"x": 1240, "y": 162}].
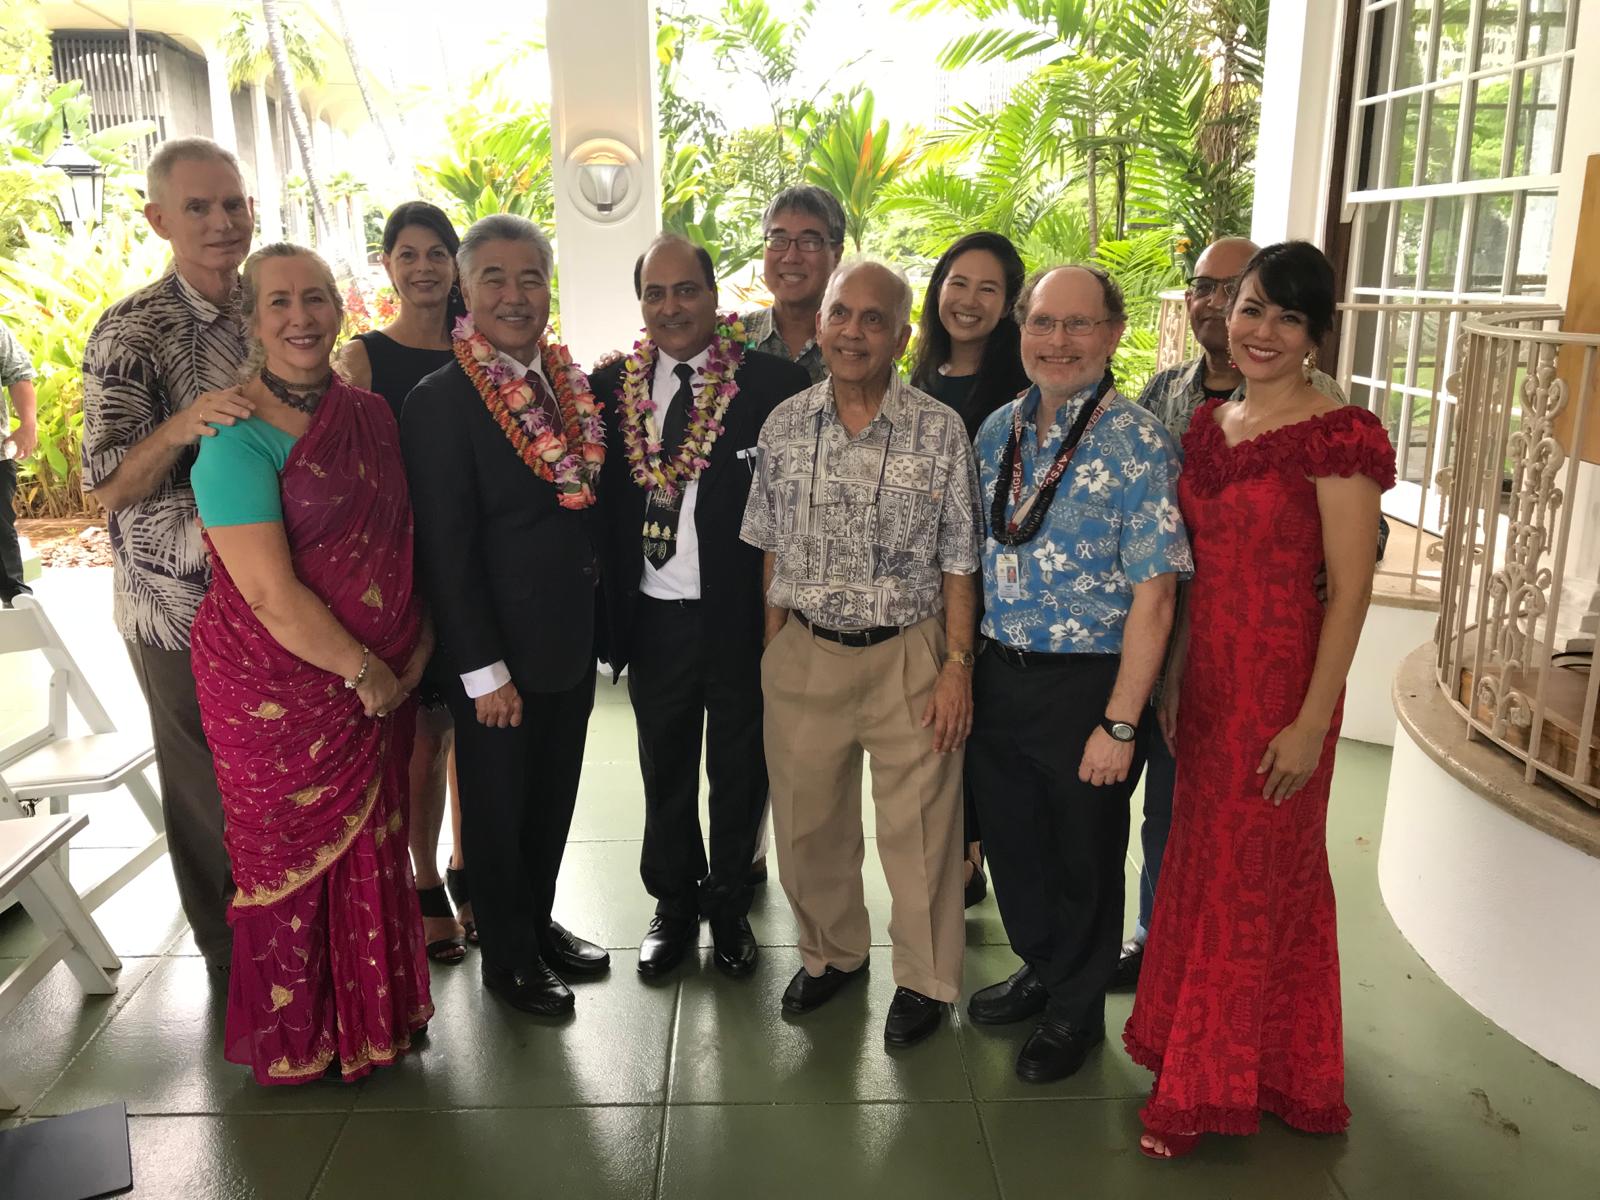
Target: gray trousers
[{"x": 189, "y": 800}]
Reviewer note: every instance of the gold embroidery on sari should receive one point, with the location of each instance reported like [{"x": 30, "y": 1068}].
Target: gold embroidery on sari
[
  {"x": 270, "y": 710},
  {"x": 282, "y": 997},
  {"x": 373, "y": 597},
  {"x": 309, "y": 795}
]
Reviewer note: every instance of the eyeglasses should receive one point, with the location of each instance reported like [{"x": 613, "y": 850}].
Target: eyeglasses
[
  {"x": 808, "y": 242},
  {"x": 1040, "y": 325},
  {"x": 1203, "y": 287}
]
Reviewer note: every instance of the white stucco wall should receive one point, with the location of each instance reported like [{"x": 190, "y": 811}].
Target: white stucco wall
[
  {"x": 1299, "y": 96},
  {"x": 1498, "y": 909},
  {"x": 1387, "y": 637}
]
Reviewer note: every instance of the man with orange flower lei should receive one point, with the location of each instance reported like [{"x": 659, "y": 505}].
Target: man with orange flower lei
[
  {"x": 503, "y": 452},
  {"x": 683, "y": 595}
]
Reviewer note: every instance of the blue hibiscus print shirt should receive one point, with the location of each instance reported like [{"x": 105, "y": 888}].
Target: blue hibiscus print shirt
[{"x": 1114, "y": 523}]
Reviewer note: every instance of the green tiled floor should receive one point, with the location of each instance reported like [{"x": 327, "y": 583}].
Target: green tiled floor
[{"x": 697, "y": 1087}]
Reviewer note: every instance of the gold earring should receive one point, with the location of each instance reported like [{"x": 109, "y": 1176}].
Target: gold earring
[{"x": 1310, "y": 366}]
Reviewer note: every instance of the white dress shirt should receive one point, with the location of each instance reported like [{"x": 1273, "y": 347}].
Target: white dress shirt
[
  {"x": 496, "y": 675},
  {"x": 680, "y": 578}
]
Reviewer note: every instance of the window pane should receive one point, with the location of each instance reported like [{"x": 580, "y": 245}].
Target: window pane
[
  {"x": 1486, "y": 272},
  {"x": 1533, "y": 244},
  {"x": 1537, "y": 149},
  {"x": 1444, "y": 243},
  {"x": 1547, "y": 27},
  {"x": 1442, "y": 126},
  {"x": 1374, "y": 238},
  {"x": 1499, "y": 35},
  {"x": 1405, "y": 115},
  {"x": 1407, "y": 245},
  {"x": 1453, "y": 39},
  {"x": 1414, "y": 19},
  {"x": 1491, "y": 99}
]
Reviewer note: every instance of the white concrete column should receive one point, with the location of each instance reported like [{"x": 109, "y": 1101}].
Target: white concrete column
[
  {"x": 602, "y": 86},
  {"x": 221, "y": 94},
  {"x": 1299, "y": 95},
  {"x": 269, "y": 185}
]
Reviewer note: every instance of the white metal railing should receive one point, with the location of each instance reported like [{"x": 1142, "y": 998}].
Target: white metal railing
[
  {"x": 1397, "y": 359},
  {"x": 1516, "y": 633}
]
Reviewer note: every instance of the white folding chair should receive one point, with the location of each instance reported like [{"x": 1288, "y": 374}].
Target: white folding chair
[
  {"x": 27, "y": 847},
  {"x": 49, "y": 764}
]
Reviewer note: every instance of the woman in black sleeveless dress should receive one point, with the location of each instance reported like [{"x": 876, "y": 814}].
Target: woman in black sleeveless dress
[
  {"x": 419, "y": 253},
  {"x": 969, "y": 356}
]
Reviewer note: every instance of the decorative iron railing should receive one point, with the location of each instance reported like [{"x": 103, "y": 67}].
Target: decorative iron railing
[
  {"x": 1397, "y": 359},
  {"x": 1516, "y": 632}
]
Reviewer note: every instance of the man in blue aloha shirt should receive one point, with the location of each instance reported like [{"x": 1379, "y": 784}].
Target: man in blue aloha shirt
[{"x": 1083, "y": 553}]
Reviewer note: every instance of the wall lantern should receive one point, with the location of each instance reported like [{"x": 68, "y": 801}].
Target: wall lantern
[
  {"x": 604, "y": 179},
  {"x": 80, "y": 198}
]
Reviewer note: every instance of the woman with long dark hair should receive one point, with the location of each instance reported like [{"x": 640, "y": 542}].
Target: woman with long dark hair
[
  {"x": 969, "y": 356},
  {"x": 419, "y": 254},
  {"x": 1238, "y": 1005},
  {"x": 968, "y": 349}
]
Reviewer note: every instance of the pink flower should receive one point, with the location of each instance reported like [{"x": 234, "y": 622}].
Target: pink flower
[
  {"x": 593, "y": 453},
  {"x": 482, "y": 351},
  {"x": 516, "y": 395},
  {"x": 549, "y": 447},
  {"x": 581, "y": 496},
  {"x": 583, "y": 404}
]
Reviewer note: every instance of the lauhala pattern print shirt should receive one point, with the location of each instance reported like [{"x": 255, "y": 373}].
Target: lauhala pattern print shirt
[
  {"x": 151, "y": 355},
  {"x": 1114, "y": 523},
  {"x": 864, "y": 528}
]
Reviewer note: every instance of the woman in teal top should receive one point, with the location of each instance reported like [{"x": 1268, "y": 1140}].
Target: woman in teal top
[{"x": 305, "y": 650}]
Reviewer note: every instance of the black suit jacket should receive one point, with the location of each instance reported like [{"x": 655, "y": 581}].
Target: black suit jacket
[
  {"x": 730, "y": 570},
  {"x": 509, "y": 574}
]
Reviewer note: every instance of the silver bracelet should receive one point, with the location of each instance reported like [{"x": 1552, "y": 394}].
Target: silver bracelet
[{"x": 361, "y": 675}]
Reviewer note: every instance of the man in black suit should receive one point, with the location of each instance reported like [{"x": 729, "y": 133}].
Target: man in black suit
[
  {"x": 684, "y": 595},
  {"x": 510, "y": 574}
]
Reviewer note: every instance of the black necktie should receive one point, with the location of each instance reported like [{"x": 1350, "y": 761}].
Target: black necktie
[{"x": 661, "y": 515}]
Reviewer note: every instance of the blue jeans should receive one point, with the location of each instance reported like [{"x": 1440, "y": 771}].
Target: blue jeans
[{"x": 1160, "y": 773}]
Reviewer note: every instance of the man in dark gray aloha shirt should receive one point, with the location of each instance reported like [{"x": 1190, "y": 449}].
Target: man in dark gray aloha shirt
[
  {"x": 158, "y": 374},
  {"x": 803, "y": 231}
]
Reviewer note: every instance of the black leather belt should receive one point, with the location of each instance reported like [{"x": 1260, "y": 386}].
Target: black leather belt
[
  {"x": 673, "y": 600},
  {"x": 1029, "y": 658},
  {"x": 851, "y": 637}
]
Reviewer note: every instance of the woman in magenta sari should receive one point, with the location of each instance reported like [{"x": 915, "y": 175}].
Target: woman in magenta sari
[{"x": 305, "y": 650}]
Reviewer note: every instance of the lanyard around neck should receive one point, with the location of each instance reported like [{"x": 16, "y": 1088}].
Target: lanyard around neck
[{"x": 1025, "y": 519}]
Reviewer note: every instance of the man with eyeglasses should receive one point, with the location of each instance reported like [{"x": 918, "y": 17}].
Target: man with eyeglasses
[
  {"x": 1173, "y": 396},
  {"x": 803, "y": 233},
  {"x": 1081, "y": 564},
  {"x": 865, "y": 510},
  {"x": 683, "y": 596}
]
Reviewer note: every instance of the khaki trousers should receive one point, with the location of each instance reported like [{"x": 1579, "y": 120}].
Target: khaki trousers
[{"x": 826, "y": 704}]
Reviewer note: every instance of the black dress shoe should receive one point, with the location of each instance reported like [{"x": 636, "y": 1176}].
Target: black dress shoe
[
  {"x": 758, "y": 871},
  {"x": 912, "y": 1017},
  {"x": 735, "y": 943},
  {"x": 1126, "y": 976},
  {"x": 534, "y": 989},
  {"x": 1014, "y": 999},
  {"x": 1056, "y": 1050},
  {"x": 569, "y": 954},
  {"x": 806, "y": 991},
  {"x": 665, "y": 944}
]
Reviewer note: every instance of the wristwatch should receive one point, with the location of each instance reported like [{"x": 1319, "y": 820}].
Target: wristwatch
[
  {"x": 1120, "y": 730},
  {"x": 965, "y": 657}
]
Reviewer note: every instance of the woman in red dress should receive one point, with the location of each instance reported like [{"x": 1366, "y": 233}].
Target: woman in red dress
[{"x": 1238, "y": 1004}]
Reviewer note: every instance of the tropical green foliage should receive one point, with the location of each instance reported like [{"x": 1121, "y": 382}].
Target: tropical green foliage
[
  {"x": 499, "y": 156},
  {"x": 856, "y": 161},
  {"x": 52, "y": 290}
]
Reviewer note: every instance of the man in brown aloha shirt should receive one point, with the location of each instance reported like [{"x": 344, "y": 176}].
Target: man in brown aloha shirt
[{"x": 865, "y": 506}]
